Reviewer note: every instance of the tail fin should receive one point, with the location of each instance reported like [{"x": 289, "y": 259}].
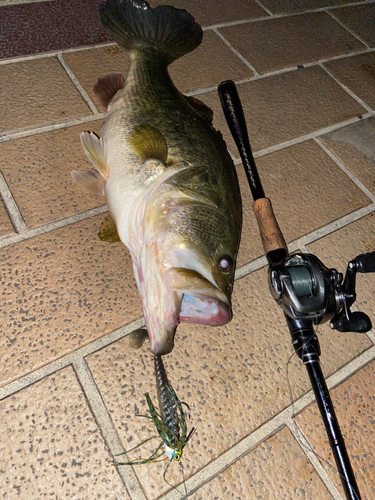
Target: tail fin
[{"x": 134, "y": 25}]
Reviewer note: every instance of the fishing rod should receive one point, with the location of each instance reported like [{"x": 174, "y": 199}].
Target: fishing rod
[{"x": 307, "y": 291}]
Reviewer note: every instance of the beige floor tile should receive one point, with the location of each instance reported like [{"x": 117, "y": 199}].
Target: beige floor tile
[
  {"x": 51, "y": 446},
  {"x": 208, "y": 65},
  {"x": 355, "y": 406},
  {"x": 359, "y": 19},
  {"x": 60, "y": 291},
  {"x": 216, "y": 11},
  {"x": 289, "y": 41},
  {"x": 337, "y": 249},
  {"x": 89, "y": 65},
  {"x": 6, "y": 226},
  {"x": 302, "y": 201},
  {"x": 37, "y": 92},
  {"x": 37, "y": 171},
  {"x": 277, "y": 468},
  {"x": 358, "y": 74},
  {"x": 284, "y": 6},
  {"x": 282, "y": 107},
  {"x": 234, "y": 378},
  {"x": 354, "y": 145}
]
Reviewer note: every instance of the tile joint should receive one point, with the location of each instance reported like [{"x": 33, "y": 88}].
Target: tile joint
[
  {"x": 11, "y": 207},
  {"x": 105, "y": 424}
]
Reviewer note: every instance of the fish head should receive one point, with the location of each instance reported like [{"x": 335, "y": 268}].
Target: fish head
[{"x": 188, "y": 273}]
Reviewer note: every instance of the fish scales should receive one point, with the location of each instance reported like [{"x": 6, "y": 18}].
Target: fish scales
[{"x": 166, "y": 175}]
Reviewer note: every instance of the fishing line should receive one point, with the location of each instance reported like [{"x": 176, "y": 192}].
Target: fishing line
[
  {"x": 308, "y": 446},
  {"x": 183, "y": 479},
  {"x": 170, "y": 484}
]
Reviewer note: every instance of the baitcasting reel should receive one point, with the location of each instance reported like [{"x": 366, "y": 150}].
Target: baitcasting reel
[{"x": 307, "y": 290}]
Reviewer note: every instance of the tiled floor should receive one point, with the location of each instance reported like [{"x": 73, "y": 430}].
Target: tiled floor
[{"x": 70, "y": 384}]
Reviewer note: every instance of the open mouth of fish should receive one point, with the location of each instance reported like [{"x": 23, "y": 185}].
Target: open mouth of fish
[
  {"x": 184, "y": 296},
  {"x": 202, "y": 302}
]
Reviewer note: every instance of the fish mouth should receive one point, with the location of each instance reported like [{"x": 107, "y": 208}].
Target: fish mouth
[
  {"x": 202, "y": 302},
  {"x": 189, "y": 298}
]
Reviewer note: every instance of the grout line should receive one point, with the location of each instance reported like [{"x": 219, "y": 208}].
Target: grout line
[
  {"x": 306, "y": 137},
  {"x": 339, "y": 163},
  {"x": 352, "y": 367},
  {"x": 263, "y": 7},
  {"x": 17, "y": 59},
  {"x": 371, "y": 335},
  {"x": 352, "y": 32},
  {"x": 11, "y": 136},
  {"x": 63, "y": 362},
  {"x": 6, "y": 3},
  {"x": 259, "y": 76},
  {"x": 314, "y": 460},
  {"x": 331, "y": 227},
  {"x": 77, "y": 84},
  {"x": 252, "y": 266},
  {"x": 106, "y": 427},
  {"x": 11, "y": 207},
  {"x": 286, "y": 14},
  {"x": 239, "y": 22},
  {"x": 235, "y": 51},
  {"x": 347, "y": 89},
  {"x": 54, "y": 53},
  {"x": 50, "y": 226}
]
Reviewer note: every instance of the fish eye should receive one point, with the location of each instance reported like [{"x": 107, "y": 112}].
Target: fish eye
[{"x": 225, "y": 263}]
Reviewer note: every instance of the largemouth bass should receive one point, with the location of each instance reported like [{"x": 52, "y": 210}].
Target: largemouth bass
[{"x": 166, "y": 175}]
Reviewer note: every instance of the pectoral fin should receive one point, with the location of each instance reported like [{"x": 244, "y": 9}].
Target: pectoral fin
[
  {"x": 147, "y": 142},
  {"x": 108, "y": 230},
  {"x": 94, "y": 151}
]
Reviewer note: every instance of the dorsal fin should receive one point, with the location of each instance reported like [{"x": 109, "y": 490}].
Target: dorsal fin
[
  {"x": 107, "y": 86},
  {"x": 147, "y": 142},
  {"x": 201, "y": 107}
]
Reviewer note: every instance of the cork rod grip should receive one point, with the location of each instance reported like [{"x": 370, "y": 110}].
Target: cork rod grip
[{"x": 272, "y": 237}]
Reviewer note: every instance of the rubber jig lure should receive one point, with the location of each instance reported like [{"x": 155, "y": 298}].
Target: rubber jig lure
[{"x": 170, "y": 423}]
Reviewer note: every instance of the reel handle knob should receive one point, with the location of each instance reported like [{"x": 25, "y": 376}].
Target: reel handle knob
[
  {"x": 365, "y": 263},
  {"x": 357, "y": 322}
]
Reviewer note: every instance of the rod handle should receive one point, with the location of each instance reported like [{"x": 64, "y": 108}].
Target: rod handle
[{"x": 272, "y": 238}]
